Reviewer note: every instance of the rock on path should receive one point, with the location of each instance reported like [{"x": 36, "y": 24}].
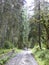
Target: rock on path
[{"x": 24, "y": 58}]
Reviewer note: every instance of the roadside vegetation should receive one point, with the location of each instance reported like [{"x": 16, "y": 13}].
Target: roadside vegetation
[
  {"x": 42, "y": 56},
  {"x": 6, "y": 54},
  {"x": 4, "y": 51}
]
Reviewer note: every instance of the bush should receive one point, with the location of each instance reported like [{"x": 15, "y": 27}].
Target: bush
[
  {"x": 8, "y": 45},
  {"x": 42, "y": 55},
  {"x": 46, "y": 62},
  {"x": 1, "y": 62}
]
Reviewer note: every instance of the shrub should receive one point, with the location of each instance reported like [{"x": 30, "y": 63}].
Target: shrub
[
  {"x": 42, "y": 55},
  {"x": 1, "y": 62},
  {"x": 8, "y": 45},
  {"x": 46, "y": 62}
]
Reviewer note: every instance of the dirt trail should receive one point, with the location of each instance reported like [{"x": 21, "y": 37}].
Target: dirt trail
[{"x": 24, "y": 58}]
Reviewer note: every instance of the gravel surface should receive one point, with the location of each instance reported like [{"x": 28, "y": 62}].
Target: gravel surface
[{"x": 23, "y": 58}]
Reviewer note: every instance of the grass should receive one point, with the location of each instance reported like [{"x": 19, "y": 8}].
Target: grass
[
  {"x": 4, "y": 51},
  {"x": 42, "y": 56},
  {"x": 17, "y": 50}
]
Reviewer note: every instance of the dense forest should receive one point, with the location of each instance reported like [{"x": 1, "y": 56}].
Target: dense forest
[
  {"x": 23, "y": 25},
  {"x": 19, "y": 29}
]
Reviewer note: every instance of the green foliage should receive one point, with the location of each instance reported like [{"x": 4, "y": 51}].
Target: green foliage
[
  {"x": 3, "y": 61},
  {"x": 8, "y": 45},
  {"x": 42, "y": 56},
  {"x": 17, "y": 28},
  {"x": 47, "y": 62}
]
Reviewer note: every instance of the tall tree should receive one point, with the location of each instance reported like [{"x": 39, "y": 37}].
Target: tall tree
[{"x": 25, "y": 23}]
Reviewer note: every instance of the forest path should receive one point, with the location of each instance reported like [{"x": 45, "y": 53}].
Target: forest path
[{"x": 23, "y": 58}]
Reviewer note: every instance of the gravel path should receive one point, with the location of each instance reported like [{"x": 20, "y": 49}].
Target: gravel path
[{"x": 24, "y": 58}]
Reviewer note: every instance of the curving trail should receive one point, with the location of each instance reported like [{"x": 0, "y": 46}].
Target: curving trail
[{"x": 23, "y": 58}]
